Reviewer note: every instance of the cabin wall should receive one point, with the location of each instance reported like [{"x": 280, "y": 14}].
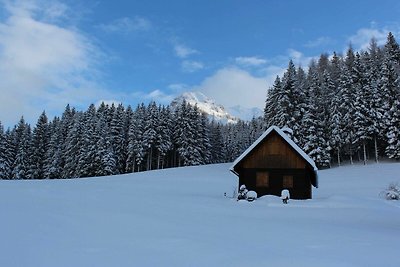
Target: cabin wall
[{"x": 301, "y": 182}]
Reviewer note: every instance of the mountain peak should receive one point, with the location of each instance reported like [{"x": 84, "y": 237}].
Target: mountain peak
[{"x": 205, "y": 105}]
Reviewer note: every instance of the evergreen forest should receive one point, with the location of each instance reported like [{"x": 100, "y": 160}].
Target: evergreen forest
[{"x": 340, "y": 109}]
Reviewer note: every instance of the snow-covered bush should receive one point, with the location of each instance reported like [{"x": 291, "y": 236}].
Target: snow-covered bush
[
  {"x": 251, "y": 195},
  {"x": 392, "y": 192},
  {"x": 285, "y": 196},
  {"x": 242, "y": 194}
]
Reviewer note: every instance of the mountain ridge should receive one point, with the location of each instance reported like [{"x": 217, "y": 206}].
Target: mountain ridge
[{"x": 214, "y": 110}]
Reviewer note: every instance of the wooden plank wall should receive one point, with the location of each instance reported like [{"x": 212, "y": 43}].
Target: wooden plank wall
[{"x": 273, "y": 152}]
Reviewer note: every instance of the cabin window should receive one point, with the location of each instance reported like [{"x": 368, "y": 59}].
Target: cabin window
[
  {"x": 262, "y": 179},
  {"x": 287, "y": 181}
]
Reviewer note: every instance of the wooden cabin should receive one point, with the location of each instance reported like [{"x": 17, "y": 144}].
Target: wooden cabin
[{"x": 273, "y": 163}]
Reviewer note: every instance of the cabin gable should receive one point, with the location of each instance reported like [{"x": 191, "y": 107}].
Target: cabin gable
[{"x": 275, "y": 153}]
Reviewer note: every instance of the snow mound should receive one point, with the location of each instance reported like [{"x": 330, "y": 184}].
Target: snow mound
[{"x": 145, "y": 219}]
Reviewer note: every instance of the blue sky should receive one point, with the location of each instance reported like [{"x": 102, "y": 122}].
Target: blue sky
[{"x": 81, "y": 52}]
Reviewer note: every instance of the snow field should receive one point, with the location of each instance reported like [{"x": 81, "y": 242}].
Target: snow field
[{"x": 180, "y": 217}]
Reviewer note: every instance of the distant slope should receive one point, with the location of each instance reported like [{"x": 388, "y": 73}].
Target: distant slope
[{"x": 180, "y": 217}]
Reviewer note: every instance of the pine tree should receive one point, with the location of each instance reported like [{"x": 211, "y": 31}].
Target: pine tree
[
  {"x": 136, "y": 148},
  {"x": 22, "y": 143},
  {"x": 374, "y": 97},
  {"x": 40, "y": 142},
  {"x": 163, "y": 142},
  {"x": 361, "y": 106},
  {"x": 216, "y": 142},
  {"x": 104, "y": 157},
  {"x": 3, "y": 154},
  {"x": 346, "y": 88},
  {"x": 285, "y": 102},
  {"x": 271, "y": 103},
  {"x": 315, "y": 144},
  {"x": 53, "y": 164},
  {"x": 150, "y": 133},
  {"x": 393, "y": 133},
  {"x": 117, "y": 133},
  {"x": 8, "y": 155},
  {"x": 73, "y": 145}
]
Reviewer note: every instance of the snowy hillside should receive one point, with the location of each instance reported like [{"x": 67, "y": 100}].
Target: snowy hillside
[
  {"x": 205, "y": 105},
  {"x": 180, "y": 217}
]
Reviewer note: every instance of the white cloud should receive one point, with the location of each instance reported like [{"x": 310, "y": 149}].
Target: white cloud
[
  {"x": 234, "y": 86},
  {"x": 299, "y": 58},
  {"x": 178, "y": 87},
  {"x": 363, "y": 36},
  {"x": 156, "y": 95},
  {"x": 43, "y": 64},
  {"x": 127, "y": 25},
  {"x": 191, "y": 66},
  {"x": 250, "y": 61},
  {"x": 183, "y": 51},
  {"x": 320, "y": 41}
]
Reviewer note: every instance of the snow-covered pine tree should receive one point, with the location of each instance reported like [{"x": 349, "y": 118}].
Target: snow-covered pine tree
[
  {"x": 127, "y": 124},
  {"x": 393, "y": 133},
  {"x": 361, "y": 106},
  {"x": 391, "y": 89},
  {"x": 3, "y": 156},
  {"x": 181, "y": 123},
  {"x": 216, "y": 141},
  {"x": 73, "y": 145},
  {"x": 136, "y": 149},
  {"x": 104, "y": 158},
  {"x": 313, "y": 128},
  {"x": 150, "y": 133},
  {"x": 117, "y": 133},
  {"x": 163, "y": 140},
  {"x": 40, "y": 141},
  {"x": 300, "y": 105},
  {"x": 373, "y": 59},
  {"x": 8, "y": 155},
  {"x": 53, "y": 164},
  {"x": 205, "y": 143},
  {"x": 347, "y": 92},
  {"x": 271, "y": 103},
  {"x": 389, "y": 86},
  {"x": 87, "y": 151},
  {"x": 192, "y": 149},
  {"x": 334, "y": 120},
  {"x": 22, "y": 142},
  {"x": 392, "y": 51},
  {"x": 286, "y": 99}
]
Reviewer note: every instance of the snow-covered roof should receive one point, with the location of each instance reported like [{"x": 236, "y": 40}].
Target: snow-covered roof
[{"x": 285, "y": 137}]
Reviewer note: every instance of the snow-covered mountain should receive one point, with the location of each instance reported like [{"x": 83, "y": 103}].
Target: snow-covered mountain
[{"x": 214, "y": 110}]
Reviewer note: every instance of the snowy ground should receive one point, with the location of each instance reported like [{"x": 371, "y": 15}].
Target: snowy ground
[{"x": 179, "y": 217}]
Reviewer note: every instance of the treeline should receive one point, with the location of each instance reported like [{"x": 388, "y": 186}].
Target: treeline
[
  {"x": 342, "y": 107},
  {"x": 113, "y": 139}
]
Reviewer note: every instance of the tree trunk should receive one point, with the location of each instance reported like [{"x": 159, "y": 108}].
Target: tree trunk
[
  {"x": 376, "y": 150},
  {"x": 338, "y": 156},
  {"x": 364, "y": 153},
  {"x": 351, "y": 156}
]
